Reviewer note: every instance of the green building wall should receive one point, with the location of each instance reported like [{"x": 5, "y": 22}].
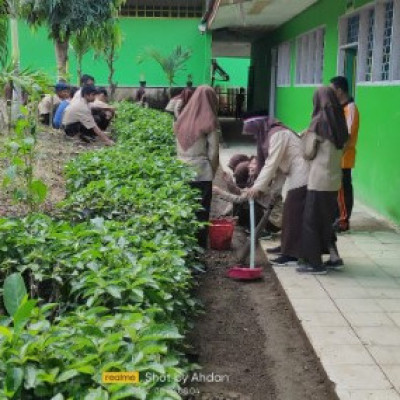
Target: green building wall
[
  {"x": 164, "y": 34},
  {"x": 238, "y": 70},
  {"x": 376, "y": 175}
]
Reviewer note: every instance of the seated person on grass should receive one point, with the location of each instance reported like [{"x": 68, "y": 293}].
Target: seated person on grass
[
  {"x": 48, "y": 105},
  {"x": 102, "y": 112},
  {"x": 78, "y": 118},
  {"x": 58, "y": 116},
  {"x": 86, "y": 80}
]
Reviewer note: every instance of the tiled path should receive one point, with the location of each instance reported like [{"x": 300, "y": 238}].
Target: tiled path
[{"x": 352, "y": 317}]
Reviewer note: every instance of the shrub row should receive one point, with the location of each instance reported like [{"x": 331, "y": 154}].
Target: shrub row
[{"x": 109, "y": 280}]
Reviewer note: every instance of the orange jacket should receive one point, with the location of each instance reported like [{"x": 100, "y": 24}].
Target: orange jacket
[{"x": 353, "y": 122}]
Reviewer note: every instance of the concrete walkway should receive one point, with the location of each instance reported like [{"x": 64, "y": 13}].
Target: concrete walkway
[{"x": 352, "y": 317}]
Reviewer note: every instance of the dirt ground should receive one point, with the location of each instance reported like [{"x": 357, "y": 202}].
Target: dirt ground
[
  {"x": 53, "y": 151},
  {"x": 249, "y": 338}
]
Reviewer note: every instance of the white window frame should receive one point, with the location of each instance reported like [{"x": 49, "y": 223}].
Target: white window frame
[
  {"x": 362, "y": 45},
  {"x": 284, "y": 64},
  {"x": 310, "y": 54}
]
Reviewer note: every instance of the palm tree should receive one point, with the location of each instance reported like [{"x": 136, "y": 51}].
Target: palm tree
[{"x": 171, "y": 64}]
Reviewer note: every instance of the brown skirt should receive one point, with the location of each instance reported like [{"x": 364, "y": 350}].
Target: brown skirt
[
  {"x": 292, "y": 221},
  {"x": 318, "y": 234}
]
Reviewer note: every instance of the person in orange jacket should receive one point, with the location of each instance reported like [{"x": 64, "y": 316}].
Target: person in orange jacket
[{"x": 340, "y": 85}]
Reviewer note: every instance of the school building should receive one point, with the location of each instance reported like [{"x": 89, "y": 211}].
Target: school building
[{"x": 298, "y": 45}]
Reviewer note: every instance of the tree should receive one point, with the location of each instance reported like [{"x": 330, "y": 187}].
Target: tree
[
  {"x": 80, "y": 43},
  {"x": 106, "y": 41},
  {"x": 171, "y": 64},
  {"x": 3, "y": 33},
  {"x": 64, "y": 18}
]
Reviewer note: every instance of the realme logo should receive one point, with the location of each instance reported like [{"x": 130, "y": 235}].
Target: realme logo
[{"x": 120, "y": 377}]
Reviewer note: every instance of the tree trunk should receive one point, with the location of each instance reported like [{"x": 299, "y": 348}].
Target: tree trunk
[
  {"x": 79, "y": 68},
  {"x": 110, "y": 62},
  {"x": 17, "y": 91},
  {"x": 61, "y": 47}
]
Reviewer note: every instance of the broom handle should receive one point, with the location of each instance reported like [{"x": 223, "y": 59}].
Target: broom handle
[
  {"x": 252, "y": 233},
  {"x": 244, "y": 251}
]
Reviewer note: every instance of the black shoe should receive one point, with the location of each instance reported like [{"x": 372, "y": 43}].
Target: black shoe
[
  {"x": 274, "y": 250},
  {"x": 334, "y": 265},
  {"x": 284, "y": 261},
  {"x": 311, "y": 269}
]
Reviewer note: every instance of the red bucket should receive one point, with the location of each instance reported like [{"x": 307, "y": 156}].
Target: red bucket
[{"x": 221, "y": 233}]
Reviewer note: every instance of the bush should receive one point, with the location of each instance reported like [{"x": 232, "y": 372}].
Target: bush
[{"x": 110, "y": 280}]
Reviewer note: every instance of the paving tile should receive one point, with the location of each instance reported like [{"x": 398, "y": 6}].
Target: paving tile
[
  {"x": 313, "y": 305},
  {"x": 380, "y": 336},
  {"x": 394, "y": 272},
  {"x": 344, "y": 394},
  {"x": 387, "y": 237},
  {"x": 395, "y": 317},
  {"x": 312, "y": 319},
  {"x": 393, "y": 374},
  {"x": 323, "y": 336},
  {"x": 383, "y": 282},
  {"x": 352, "y": 292},
  {"x": 352, "y": 377},
  {"x": 389, "y": 305},
  {"x": 385, "y": 355},
  {"x": 345, "y": 354},
  {"x": 348, "y": 306},
  {"x": 306, "y": 292},
  {"x": 369, "y": 320},
  {"x": 380, "y": 293}
]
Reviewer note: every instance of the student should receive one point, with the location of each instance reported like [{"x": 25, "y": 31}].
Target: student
[
  {"x": 141, "y": 96},
  {"x": 58, "y": 116},
  {"x": 101, "y": 110},
  {"x": 177, "y": 103},
  {"x": 329, "y": 124},
  {"x": 240, "y": 99},
  {"x": 48, "y": 105},
  {"x": 197, "y": 141},
  {"x": 86, "y": 80},
  {"x": 340, "y": 85},
  {"x": 282, "y": 151},
  {"x": 78, "y": 118}
]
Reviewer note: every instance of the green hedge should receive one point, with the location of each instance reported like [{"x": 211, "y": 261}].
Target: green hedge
[{"x": 109, "y": 280}]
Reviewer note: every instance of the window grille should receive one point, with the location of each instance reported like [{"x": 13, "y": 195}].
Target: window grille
[
  {"x": 283, "y": 73},
  {"x": 370, "y": 46},
  {"x": 387, "y": 41},
  {"x": 353, "y": 28},
  {"x": 310, "y": 56},
  {"x": 163, "y": 8}
]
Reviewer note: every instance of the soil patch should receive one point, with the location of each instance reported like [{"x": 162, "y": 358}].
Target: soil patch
[{"x": 249, "y": 342}]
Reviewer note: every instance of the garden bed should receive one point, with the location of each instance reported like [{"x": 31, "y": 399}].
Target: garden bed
[{"x": 109, "y": 277}]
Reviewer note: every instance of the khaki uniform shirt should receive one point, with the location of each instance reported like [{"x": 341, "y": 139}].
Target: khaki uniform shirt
[
  {"x": 48, "y": 103},
  {"x": 203, "y": 156},
  {"x": 79, "y": 111}
]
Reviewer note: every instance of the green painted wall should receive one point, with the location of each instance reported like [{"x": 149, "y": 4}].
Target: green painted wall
[
  {"x": 164, "y": 34},
  {"x": 238, "y": 70},
  {"x": 376, "y": 176}
]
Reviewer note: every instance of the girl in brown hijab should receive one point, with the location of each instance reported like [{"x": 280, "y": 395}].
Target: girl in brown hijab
[
  {"x": 329, "y": 123},
  {"x": 197, "y": 141}
]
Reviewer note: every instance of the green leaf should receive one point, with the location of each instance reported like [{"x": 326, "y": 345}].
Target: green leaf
[
  {"x": 14, "y": 379},
  {"x": 22, "y": 315},
  {"x": 97, "y": 394},
  {"x": 58, "y": 396},
  {"x": 39, "y": 190},
  {"x": 30, "y": 377},
  {"x": 114, "y": 291},
  {"x": 160, "y": 332},
  {"x": 5, "y": 332},
  {"x": 13, "y": 293},
  {"x": 67, "y": 375},
  {"x": 130, "y": 393}
]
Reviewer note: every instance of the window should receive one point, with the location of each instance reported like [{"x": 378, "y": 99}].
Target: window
[
  {"x": 163, "y": 8},
  {"x": 374, "y": 33},
  {"x": 283, "y": 73},
  {"x": 387, "y": 41},
  {"x": 310, "y": 57},
  {"x": 370, "y": 45},
  {"x": 353, "y": 26}
]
